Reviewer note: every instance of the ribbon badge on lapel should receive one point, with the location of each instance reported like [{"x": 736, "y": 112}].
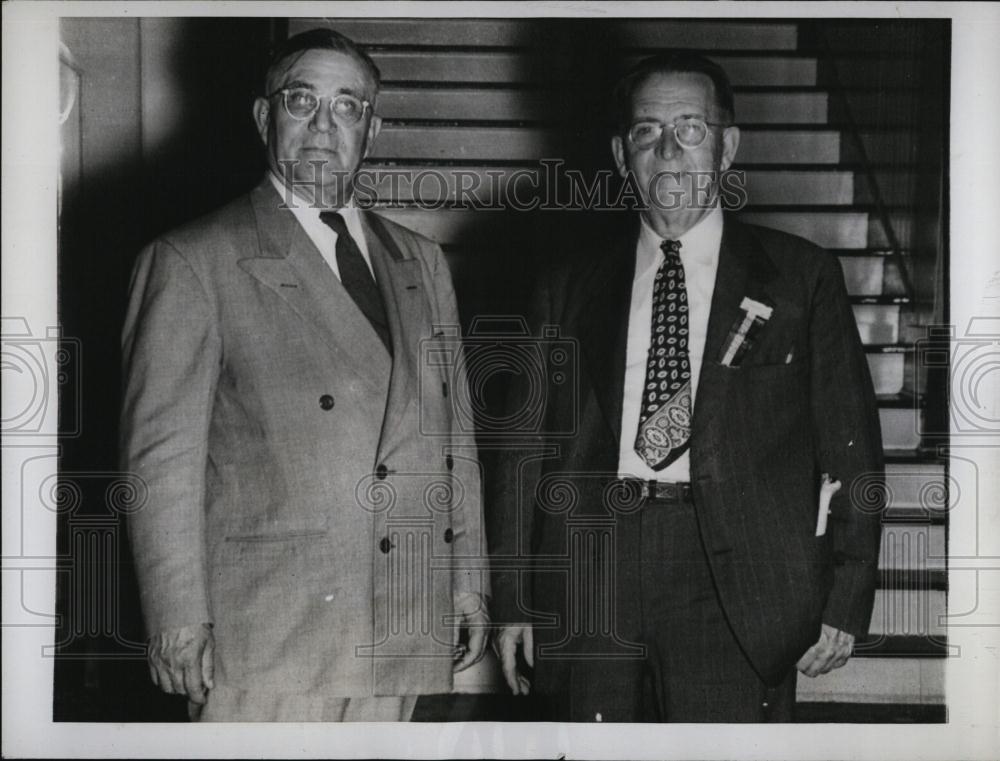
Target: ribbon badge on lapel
[{"x": 744, "y": 332}]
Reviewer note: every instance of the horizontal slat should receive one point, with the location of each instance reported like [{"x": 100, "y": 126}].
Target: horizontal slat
[
  {"x": 466, "y": 103},
  {"x": 877, "y": 323},
  {"x": 924, "y": 580},
  {"x": 878, "y": 108},
  {"x": 912, "y": 547},
  {"x": 645, "y": 33},
  {"x": 794, "y": 187},
  {"x": 891, "y": 146},
  {"x": 900, "y": 428},
  {"x": 707, "y": 35},
  {"x": 867, "y": 251},
  {"x": 878, "y": 680},
  {"x": 884, "y": 73},
  {"x": 863, "y": 274},
  {"x": 507, "y": 104},
  {"x": 884, "y": 298},
  {"x": 902, "y": 647},
  {"x": 897, "y": 456},
  {"x": 829, "y": 229},
  {"x": 898, "y": 37},
  {"x": 499, "y": 67},
  {"x": 466, "y": 143},
  {"x": 506, "y": 186},
  {"x": 900, "y": 221},
  {"x": 897, "y": 188},
  {"x": 909, "y": 612},
  {"x": 918, "y": 486},
  {"x": 903, "y": 399},
  {"x": 888, "y": 372},
  {"x": 781, "y": 108},
  {"x": 464, "y": 226}
]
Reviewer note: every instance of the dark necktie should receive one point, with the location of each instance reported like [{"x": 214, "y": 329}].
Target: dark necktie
[
  {"x": 357, "y": 278},
  {"x": 665, "y": 415}
]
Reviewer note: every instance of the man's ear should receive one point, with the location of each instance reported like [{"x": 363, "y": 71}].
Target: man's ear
[
  {"x": 730, "y": 144},
  {"x": 262, "y": 117},
  {"x": 618, "y": 149},
  {"x": 374, "y": 127}
]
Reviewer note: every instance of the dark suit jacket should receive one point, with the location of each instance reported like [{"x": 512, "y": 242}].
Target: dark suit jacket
[{"x": 762, "y": 434}]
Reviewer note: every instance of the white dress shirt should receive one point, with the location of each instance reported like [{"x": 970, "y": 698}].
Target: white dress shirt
[
  {"x": 323, "y": 237},
  {"x": 700, "y": 257}
]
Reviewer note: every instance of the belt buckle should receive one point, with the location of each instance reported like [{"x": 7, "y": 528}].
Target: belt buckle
[
  {"x": 664, "y": 491},
  {"x": 671, "y": 492}
]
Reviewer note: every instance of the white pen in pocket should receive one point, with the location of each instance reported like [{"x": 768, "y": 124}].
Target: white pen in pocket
[
  {"x": 826, "y": 491},
  {"x": 790, "y": 357}
]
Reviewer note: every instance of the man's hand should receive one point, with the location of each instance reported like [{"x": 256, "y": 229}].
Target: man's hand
[
  {"x": 506, "y": 644},
  {"x": 181, "y": 661},
  {"x": 831, "y": 652},
  {"x": 474, "y": 617}
]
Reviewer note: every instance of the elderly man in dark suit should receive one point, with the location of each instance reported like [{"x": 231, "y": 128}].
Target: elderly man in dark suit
[
  {"x": 660, "y": 549},
  {"x": 310, "y": 493}
]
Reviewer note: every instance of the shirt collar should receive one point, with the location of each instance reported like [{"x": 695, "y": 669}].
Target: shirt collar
[
  {"x": 305, "y": 212},
  {"x": 699, "y": 245}
]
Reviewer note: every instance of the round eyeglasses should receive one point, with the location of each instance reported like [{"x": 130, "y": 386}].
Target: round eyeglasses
[
  {"x": 689, "y": 132},
  {"x": 302, "y": 104}
]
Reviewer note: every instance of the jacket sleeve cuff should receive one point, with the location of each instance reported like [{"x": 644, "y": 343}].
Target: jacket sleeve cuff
[{"x": 849, "y": 606}]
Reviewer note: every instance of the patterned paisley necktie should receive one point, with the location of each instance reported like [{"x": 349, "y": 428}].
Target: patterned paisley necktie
[{"x": 665, "y": 415}]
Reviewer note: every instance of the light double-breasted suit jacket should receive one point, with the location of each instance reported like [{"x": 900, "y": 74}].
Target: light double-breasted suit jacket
[
  {"x": 308, "y": 495},
  {"x": 799, "y": 404}
]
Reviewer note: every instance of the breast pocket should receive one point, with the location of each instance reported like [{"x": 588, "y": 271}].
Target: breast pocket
[{"x": 772, "y": 371}]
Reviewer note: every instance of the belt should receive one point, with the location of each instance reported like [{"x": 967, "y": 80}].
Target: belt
[{"x": 660, "y": 491}]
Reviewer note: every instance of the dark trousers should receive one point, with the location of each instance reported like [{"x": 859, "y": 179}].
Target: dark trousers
[{"x": 694, "y": 669}]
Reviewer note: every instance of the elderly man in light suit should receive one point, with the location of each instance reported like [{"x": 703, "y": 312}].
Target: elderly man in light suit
[{"x": 308, "y": 549}]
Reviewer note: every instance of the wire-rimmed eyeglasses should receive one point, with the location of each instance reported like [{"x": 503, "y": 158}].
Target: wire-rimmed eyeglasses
[
  {"x": 301, "y": 104},
  {"x": 689, "y": 132}
]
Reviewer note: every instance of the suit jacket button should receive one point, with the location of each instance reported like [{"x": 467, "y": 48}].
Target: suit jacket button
[
  {"x": 449, "y": 536},
  {"x": 385, "y": 545},
  {"x": 450, "y": 462},
  {"x": 326, "y": 402},
  {"x": 381, "y": 472}
]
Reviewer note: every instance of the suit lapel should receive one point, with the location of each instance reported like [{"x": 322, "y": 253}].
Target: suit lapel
[
  {"x": 288, "y": 263},
  {"x": 401, "y": 283},
  {"x": 744, "y": 270},
  {"x": 603, "y": 304}
]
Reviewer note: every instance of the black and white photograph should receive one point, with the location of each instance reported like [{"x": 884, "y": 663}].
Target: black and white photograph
[{"x": 438, "y": 380}]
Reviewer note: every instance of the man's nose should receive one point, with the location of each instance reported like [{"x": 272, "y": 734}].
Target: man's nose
[
  {"x": 668, "y": 147},
  {"x": 322, "y": 120}
]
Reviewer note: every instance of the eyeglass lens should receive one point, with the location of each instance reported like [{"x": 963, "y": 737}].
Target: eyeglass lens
[
  {"x": 302, "y": 104},
  {"x": 689, "y": 133}
]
